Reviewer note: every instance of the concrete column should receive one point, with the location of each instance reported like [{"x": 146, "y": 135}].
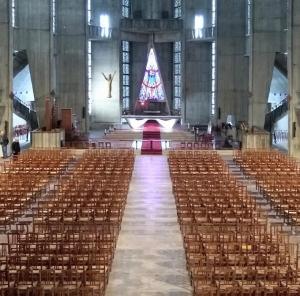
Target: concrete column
[
  {"x": 5, "y": 67},
  {"x": 267, "y": 31},
  {"x": 106, "y": 59},
  {"x": 33, "y": 32},
  {"x": 196, "y": 67},
  {"x": 197, "y": 82},
  {"x": 294, "y": 77},
  {"x": 261, "y": 70},
  {"x": 72, "y": 58},
  {"x": 232, "y": 64}
]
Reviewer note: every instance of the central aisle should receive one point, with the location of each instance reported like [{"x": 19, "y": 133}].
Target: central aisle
[{"x": 150, "y": 258}]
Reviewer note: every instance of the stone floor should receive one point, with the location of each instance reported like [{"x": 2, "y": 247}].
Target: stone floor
[{"x": 150, "y": 259}]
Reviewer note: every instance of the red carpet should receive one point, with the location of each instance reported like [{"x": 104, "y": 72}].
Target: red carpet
[{"x": 151, "y": 132}]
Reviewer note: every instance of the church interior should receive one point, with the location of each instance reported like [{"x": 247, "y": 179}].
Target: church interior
[{"x": 149, "y": 147}]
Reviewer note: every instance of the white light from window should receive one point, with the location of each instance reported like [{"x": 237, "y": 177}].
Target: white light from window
[
  {"x": 13, "y": 13},
  {"x": 213, "y": 78},
  {"x": 125, "y": 8},
  {"x": 249, "y": 17},
  {"x": 104, "y": 24},
  {"x": 177, "y": 76},
  {"x": 53, "y": 16},
  {"x": 177, "y": 8},
  {"x": 199, "y": 25},
  {"x": 89, "y": 74},
  {"x": 213, "y": 13},
  {"x": 89, "y": 11}
]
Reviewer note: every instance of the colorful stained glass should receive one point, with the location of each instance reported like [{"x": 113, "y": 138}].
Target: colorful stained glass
[{"x": 152, "y": 86}]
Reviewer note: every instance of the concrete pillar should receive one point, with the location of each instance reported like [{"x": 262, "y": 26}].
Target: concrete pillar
[
  {"x": 72, "y": 58},
  {"x": 196, "y": 66},
  {"x": 5, "y": 67},
  {"x": 33, "y": 32},
  {"x": 267, "y": 31},
  {"x": 261, "y": 70},
  {"x": 232, "y": 64},
  {"x": 294, "y": 77},
  {"x": 106, "y": 59},
  {"x": 197, "y": 82}
]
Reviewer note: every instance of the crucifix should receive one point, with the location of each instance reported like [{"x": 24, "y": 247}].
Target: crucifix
[{"x": 109, "y": 80}]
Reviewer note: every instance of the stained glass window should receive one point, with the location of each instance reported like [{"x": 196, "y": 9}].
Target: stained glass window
[{"x": 152, "y": 86}]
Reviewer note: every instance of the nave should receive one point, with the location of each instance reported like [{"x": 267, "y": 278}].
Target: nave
[
  {"x": 149, "y": 257},
  {"x": 108, "y": 222}
]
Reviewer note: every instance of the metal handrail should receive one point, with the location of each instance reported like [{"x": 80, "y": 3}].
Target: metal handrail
[
  {"x": 26, "y": 104},
  {"x": 284, "y": 101},
  {"x": 97, "y": 32},
  {"x": 204, "y": 33}
]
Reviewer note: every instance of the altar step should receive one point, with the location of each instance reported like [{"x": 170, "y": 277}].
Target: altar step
[
  {"x": 151, "y": 138},
  {"x": 151, "y": 148},
  {"x": 151, "y": 135}
]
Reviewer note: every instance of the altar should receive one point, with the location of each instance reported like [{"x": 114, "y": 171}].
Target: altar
[{"x": 138, "y": 121}]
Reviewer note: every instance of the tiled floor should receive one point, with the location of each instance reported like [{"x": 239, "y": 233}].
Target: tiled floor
[{"x": 149, "y": 259}]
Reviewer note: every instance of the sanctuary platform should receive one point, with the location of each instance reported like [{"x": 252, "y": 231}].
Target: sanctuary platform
[{"x": 138, "y": 121}]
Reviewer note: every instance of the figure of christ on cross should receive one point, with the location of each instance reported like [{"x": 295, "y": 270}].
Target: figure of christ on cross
[{"x": 109, "y": 80}]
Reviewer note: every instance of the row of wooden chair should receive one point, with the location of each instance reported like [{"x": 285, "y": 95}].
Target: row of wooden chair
[
  {"x": 206, "y": 145},
  {"x": 277, "y": 176},
  {"x": 231, "y": 249},
  {"x": 23, "y": 180},
  {"x": 69, "y": 248},
  {"x": 50, "y": 291},
  {"x": 89, "y": 144}
]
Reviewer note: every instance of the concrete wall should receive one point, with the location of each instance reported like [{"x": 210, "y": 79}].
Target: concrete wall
[
  {"x": 234, "y": 82},
  {"x": 71, "y": 58},
  {"x": 197, "y": 82},
  {"x": 5, "y": 67},
  {"x": 33, "y": 33},
  {"x": 152, "y": 9},
  {"x": 105, "y": 59},
  {"x": 232, "y": 65}
]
